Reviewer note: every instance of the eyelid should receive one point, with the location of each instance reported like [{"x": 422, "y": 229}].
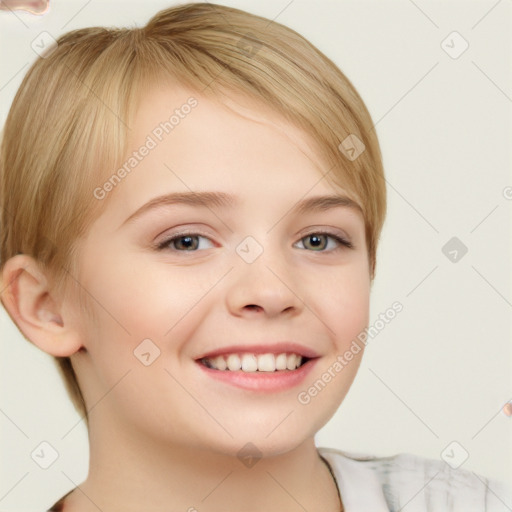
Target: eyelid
[
  {"x": 178, "y": 234},
  {"x": 344, "y": 241},
  {"x": 325, "y": 230},
  {"x": 330, "y": 231}
]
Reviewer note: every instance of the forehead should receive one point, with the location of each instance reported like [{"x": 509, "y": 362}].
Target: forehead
[
  {"x": 229, "y": 118},
  {"x": 181, "y": 141}
]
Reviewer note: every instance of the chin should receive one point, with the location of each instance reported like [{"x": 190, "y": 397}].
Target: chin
[
  {"x": 254, "y": 446},
  {"x": 267, "y": 435}
]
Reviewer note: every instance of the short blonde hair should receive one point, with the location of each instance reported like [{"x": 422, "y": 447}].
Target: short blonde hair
[{"x": 69, "y": 122}]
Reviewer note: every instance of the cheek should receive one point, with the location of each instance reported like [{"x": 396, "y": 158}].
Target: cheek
[
  {"x": 127, "y": 295},
  {"x": 344, "y": 300},
  {"x": 135, "y": 301},
  {"x": 351, "y": 316}
]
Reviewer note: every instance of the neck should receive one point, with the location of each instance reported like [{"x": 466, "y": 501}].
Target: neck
[{"x": 131, "y": 473}]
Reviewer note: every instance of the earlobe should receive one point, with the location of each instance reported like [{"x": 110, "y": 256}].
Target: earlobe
[{"x": 28, "y": 299}]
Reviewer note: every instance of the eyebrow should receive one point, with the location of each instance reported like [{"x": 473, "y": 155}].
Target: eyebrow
[{"x": 223, "y": 200}]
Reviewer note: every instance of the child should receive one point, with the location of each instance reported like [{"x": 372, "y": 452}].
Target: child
[{"x": 190, "y": 218}]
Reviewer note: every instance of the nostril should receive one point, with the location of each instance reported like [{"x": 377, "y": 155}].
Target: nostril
[{"x": 253, "y": 306}]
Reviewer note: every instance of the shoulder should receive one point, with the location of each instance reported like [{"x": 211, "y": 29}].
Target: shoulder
[
  {"x": 423, "y": 484},
  {"x": 59, "y": 506}
]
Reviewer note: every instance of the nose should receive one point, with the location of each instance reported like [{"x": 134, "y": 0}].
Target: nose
[{"x": 261, "y": 289}]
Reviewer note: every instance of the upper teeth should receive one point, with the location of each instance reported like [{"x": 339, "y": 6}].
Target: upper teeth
[{"x": 254, "y": 362}]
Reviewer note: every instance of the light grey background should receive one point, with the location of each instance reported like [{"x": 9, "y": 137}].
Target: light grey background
[{"x": 441, "y": 370}]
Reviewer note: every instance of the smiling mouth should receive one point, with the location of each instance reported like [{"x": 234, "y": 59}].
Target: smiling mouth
[{"x": 255, "y": 363}]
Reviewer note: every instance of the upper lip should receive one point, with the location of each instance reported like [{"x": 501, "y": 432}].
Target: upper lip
[{"x": 263, "y": 348}]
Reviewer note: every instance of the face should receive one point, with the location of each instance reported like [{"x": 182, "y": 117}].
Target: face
[{"x": 221, "y": 286}]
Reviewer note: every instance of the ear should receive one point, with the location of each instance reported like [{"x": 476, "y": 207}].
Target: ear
[{"x": 28, "y": 299}]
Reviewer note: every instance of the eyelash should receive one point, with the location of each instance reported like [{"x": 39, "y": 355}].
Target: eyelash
[{"x": 164, "y": 245}]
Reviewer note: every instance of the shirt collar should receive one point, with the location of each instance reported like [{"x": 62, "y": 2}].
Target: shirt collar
[{"x": 359, "y": 486}]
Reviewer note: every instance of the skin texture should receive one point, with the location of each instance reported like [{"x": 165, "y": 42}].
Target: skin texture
[{"x": 168, "y": 434}]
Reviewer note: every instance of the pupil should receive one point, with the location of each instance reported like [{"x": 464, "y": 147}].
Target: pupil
[
  {"x": 316, "y": 241},
  {"x": 187, "y": 242}
]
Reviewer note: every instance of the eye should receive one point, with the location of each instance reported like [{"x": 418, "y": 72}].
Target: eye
[
  {"x": 321, "y": 241},
  {"x": 192, "y": 242},
  {"x": 186, "y": 242}
]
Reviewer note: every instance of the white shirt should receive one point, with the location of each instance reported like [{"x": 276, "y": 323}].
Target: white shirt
[{"x": 410, "y": 483}]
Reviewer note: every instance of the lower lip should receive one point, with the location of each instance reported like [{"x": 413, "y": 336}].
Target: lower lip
[{"x": 280, "y": 380}]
